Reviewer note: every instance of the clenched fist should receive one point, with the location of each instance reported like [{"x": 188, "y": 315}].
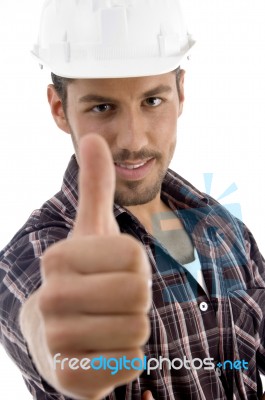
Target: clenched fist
[{"x": 96, "y": 292}]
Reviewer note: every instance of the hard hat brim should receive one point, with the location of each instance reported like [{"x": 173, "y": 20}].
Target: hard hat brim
[{"x": 117, "y": 68}]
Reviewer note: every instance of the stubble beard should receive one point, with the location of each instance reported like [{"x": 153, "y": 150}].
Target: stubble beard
[{"x": 137, "y": 193}]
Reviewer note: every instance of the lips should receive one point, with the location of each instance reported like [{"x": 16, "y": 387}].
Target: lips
[
  {"x": 132, "y": 166},
  {"x": 134, "y": 171}
]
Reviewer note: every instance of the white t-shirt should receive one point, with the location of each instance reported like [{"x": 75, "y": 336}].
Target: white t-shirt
[
  {"x": 179, "y": 245},
  {"x": 195, "y": 269}
]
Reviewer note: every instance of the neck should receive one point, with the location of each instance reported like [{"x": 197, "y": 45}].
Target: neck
[{"x": 145, "y": 212}]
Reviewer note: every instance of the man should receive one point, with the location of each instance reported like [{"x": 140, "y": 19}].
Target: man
[{"x": 79, "y": 270}]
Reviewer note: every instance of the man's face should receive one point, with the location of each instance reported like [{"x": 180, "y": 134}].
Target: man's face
[{"x": 138, "y": 119}]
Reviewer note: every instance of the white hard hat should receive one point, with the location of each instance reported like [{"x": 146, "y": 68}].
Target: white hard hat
[{"x": 112, "y": 38}]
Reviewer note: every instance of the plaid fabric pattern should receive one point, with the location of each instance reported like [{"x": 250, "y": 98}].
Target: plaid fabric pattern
[{"x": 230, "y": 327}]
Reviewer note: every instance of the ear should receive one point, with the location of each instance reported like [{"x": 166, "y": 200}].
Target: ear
[
  {"x": 57, "y": 109},
  {"x": 181, "y": 90}
]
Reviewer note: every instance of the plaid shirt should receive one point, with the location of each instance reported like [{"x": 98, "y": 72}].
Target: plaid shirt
[{"x": 230, "y": 326}]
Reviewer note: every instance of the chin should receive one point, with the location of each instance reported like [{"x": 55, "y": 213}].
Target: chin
[{"x": 135, "y": 195}]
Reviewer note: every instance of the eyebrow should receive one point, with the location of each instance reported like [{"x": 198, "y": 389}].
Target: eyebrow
[
  {"x": 158, "y": 90},
  {"x": 103, "y": 99}
]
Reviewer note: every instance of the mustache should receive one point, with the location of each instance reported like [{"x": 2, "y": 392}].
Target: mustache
[{"x": 126, "y": 155}]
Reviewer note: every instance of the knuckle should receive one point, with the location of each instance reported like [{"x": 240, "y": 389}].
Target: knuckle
[
  {"x": 51, "y": 298},
  {"x": 134, "y": 250},
  {"x": 140, "y": 329},
  {"x": 137, "y": 291},
  {"x": 57, "y": 337},
  {"x": 53, "y": 257},
  {"x": 50, "y": 260}
]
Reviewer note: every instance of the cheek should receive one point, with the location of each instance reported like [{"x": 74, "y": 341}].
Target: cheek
[
  {"x": 82, "y": 125},
  {"x": 166, "y": 126}
]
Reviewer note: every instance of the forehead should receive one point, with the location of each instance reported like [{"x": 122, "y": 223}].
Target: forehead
[{"x": 116, "y": 86}]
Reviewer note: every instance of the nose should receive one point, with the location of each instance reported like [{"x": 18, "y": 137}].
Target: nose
[{"x": 131, "y": 131}]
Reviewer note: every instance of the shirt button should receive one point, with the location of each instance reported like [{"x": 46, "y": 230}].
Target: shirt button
[{"x": 203, "y": 306}]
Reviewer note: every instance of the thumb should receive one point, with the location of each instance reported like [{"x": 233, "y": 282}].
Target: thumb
[
  {"x": 147, "y": 395},
  {"x": 96, "y": 187}
]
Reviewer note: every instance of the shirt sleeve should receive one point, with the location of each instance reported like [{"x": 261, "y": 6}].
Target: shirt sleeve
[
  {"x": 19, "y": 278},
  {"x": 257, "y": 264}
]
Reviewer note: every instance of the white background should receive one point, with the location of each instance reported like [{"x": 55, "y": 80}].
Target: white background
[{"x": 221, "y": 131}]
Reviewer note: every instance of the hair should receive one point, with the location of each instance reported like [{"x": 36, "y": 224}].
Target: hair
[{"x": 60, "y": 85}]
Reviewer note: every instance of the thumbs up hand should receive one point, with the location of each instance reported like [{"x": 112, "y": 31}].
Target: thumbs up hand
[
  {"x": 96, "y": 189},
  {"x": 96, "y": 291}
]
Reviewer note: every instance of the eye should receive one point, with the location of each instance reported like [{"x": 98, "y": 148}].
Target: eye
[
  {"x": 153, "y": 101},
  {"x": 102, "y": 108}
]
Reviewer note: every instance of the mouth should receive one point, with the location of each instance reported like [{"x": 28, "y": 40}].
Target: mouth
[{"x": 134, "y": 170}]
